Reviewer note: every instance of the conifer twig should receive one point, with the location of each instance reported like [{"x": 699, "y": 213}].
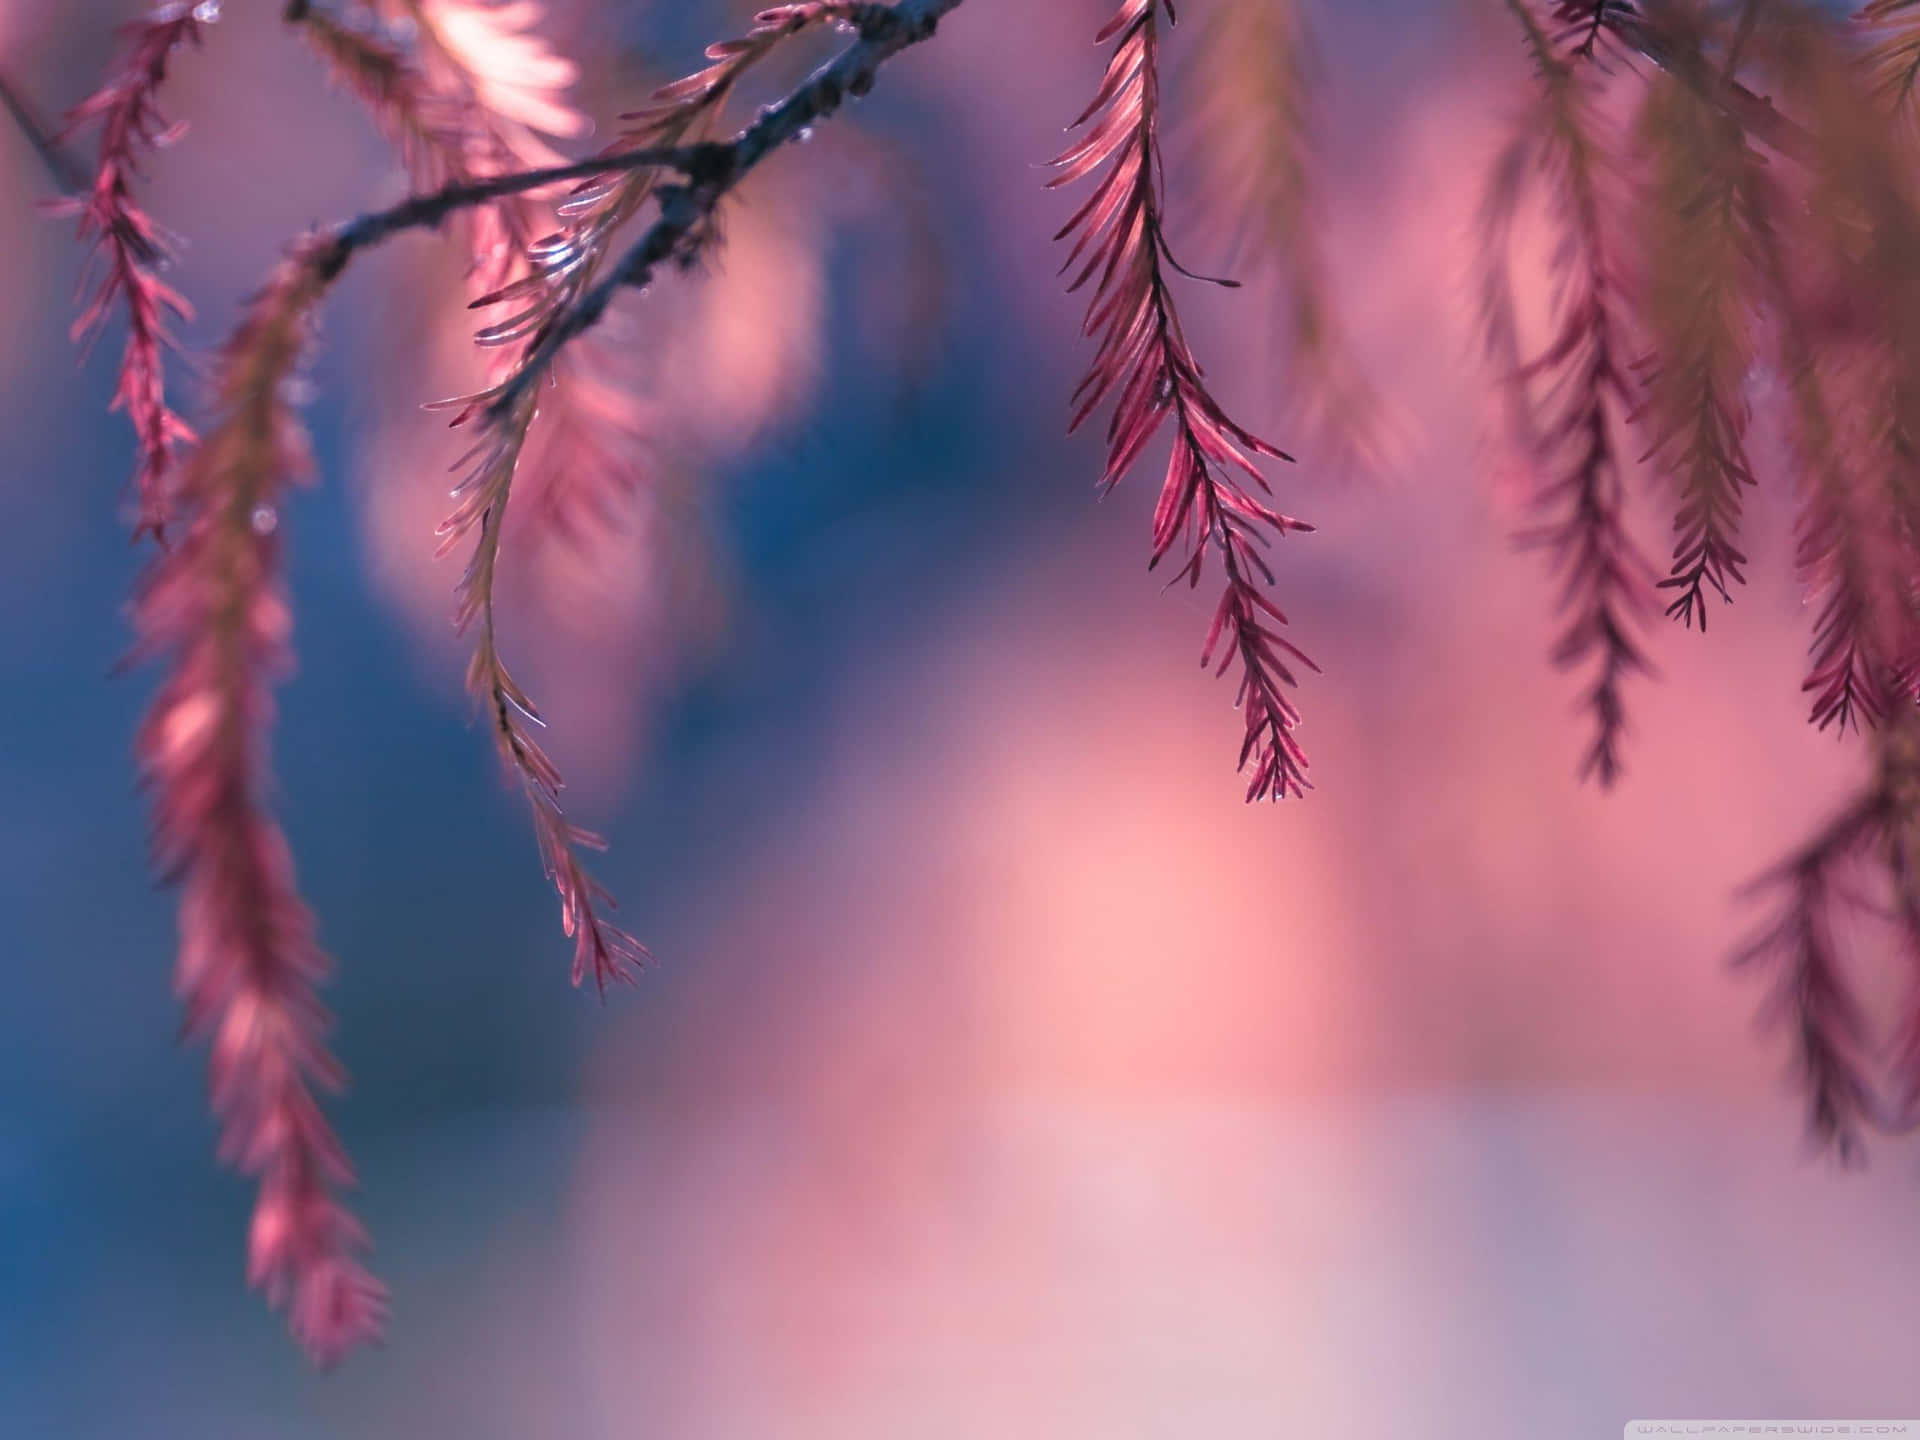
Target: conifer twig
[
  {"x": 1699, "y": 212},
  {"x": 1607, "y": 584},
  {"x": 1146, "y": 367},
  {"x": 506, "y": 409},
  {"x": 214, "y": 607},
  {"x": 130, "y": 249}
]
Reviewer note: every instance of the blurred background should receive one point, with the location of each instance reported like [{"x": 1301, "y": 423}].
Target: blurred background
[{"x": 1001, "y": 1072}]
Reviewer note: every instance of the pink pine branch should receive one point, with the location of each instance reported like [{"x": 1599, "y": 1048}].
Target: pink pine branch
[
  {"x": 1604, "y": 577},
  {"x": 1840, "y": 1070},
  {"x": 1701, "y": 208},
  {"x": 214, "y": 609},
  {"x": 128, "y": 249},
  {"x": 1849, "y": 685},
  {"x": 1711, "y": 469},
  {"x": 1145, "y": 366},
  {"x": 1843, "y": 341},
  {"x": 1810, "y": 997},
  {"x": 1570, "y": 395},
  {"x": 1847, "y": 366},
  {"x": 563, "y": 299},
  {"x": 601, "y": 948}
]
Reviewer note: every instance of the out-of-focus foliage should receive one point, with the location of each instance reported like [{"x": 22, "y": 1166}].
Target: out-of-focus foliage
[{"x": 1730, "y": 187}]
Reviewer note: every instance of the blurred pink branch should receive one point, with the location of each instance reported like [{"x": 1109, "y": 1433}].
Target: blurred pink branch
[
  {"x": 214, "y": 607},
  {"x": 1583, "y": 392}
]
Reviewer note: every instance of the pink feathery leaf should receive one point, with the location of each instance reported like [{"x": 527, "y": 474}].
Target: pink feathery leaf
[
  {"x": 213, "y": 609},
  {"x": 1569, "y": 399},
  {"x": 128, "y": 250},
  {"x": 1144, "y": 366}
]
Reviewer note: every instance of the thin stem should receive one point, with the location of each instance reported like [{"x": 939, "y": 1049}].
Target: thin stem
[{"x": 425, "y": 211}]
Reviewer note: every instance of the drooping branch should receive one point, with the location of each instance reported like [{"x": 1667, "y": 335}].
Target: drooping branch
[
  {"x": 1821, "y": 896},
  {"x": 1812, "y": 998},
  {"x": 214, "y": 608},
  {"x": 1571, "y": 396},
  {"x": 564, "y": 301},
  {"x": 130, "y": 249},
  {"x": 1146, "y": 367},
  {"x": 1700, "y": 210},
  {"x": 1835, "y": 260}
]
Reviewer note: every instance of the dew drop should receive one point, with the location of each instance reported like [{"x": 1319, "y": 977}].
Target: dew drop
[
  {"x": 207, "y": 11},
  {"x": 265, "y": 519},
  {"x": 805, "y": 134}
]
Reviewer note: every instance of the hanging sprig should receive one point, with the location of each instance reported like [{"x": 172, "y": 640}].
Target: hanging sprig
[
  {"x": 1825, "y": 891},
  {"x": 1699, "y": 211},
  {"x": 1145, "y": 366},
  {"x": 128, "y": 249},
  {"x": 601, "y": 948},
  {"x": 466, "y": 102},
  {"x": 1573, "y": 395},
  {"x": 565, "y": 267},
  {"x": 1812, "y": 997},
  {"x": 213, "y": 608},
  {"x": 1843, "y": 313}
]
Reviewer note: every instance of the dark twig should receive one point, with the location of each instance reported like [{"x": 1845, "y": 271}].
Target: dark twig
[
  {"x": 419, "y": 212},
  {"x": 717, "y": 169}
]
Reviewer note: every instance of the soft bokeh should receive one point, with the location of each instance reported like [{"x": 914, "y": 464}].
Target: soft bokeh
[{"x": 1002, "y": 1073}]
